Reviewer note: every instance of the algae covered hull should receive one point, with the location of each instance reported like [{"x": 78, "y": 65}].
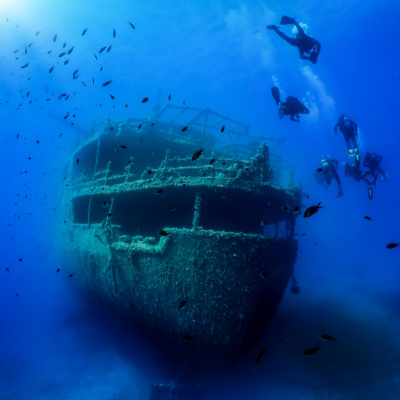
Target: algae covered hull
[{"x": 215, "y": 248}]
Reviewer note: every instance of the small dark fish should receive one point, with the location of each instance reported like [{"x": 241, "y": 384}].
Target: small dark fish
[
  {"x": 66, "y": 62},
  {"x": 158, "y": 191},
  {"x": 26, "y": 50},
  {"x": 319, "y": 170},
  {"x": 112, "y": 97},
  {"x": 77, "y": 161},
  {"x": 7, "y": 270},
  {"x": 224, "y": 163},
  {"x": 71, "y": 49},
  {"x": 20, "y": 259},
  {"x": 58, "y": 270},
  {"x": 51, "y": 69},
  {"x": 261, "y": 354},
  {"x": 16, "y": 295},
  {"x": 75, "y": 72},
  {"x": 70, "y": 275},
  {"x": 101, "y": 68},
  {"x": 368, "y": 218},
  {"x": 306, "y": 195},
  {"x": 126, "y": 105},
  {"x": 149, "y": 171},
  {"x": 212, "y": 161},
  {"x": 285, "y": 208},
  {"x": 184, "y": 102},
  {"x": 324, "y": 336},
  {"x": 169, "y": 97},
  {"x": 105, "y": 204},
  {"x": 64, "y": 45},
  {"x": 16, "y": 51},
  {"x": 223, "y": 128},
  {"x": 171, "y": 208},
  {"x": 123, "y": 147},
  {"x": 311, "y": 210},
  {"x": 84, "y": 31},
  {"x": 93, "y": 80},
  {"x": 55, "y": 38},
  {"x": 392, "y": 245},
  {"x": 66, "y": 116},
  {"x": 109, "y": 215},
  {"x": 296, "y": 209},
  {"x": 265, "y": 274},
  {"x": 49, "y": 51},
  {"x": 107, "y": 83},
  {"x": 130, "y": 24},
  {"x": 102, "y": 49},
  {"x": 197, "y": 154},
  {"x": 29, "y": 45},
  {"x": 140, "y": 126},
  {"x": 114, "y": 33},
  {"x": 145, "y": 100},
  {"x": 109, "y": 48},
  {"x": 182, "y": 304},
  {"x": 24, "y": 66},
  {"x": 186, "y": 337},
  {"x": 312, "y": 350},
  {"x": 263, "y": 223},
  {"x": 95, "y": 56},
  {"x": 37, "y": 33},
  {"x": 163, "y": 233},
  {"x": 62, "y": 54}
]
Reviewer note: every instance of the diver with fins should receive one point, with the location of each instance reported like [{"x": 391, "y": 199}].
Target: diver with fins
[
  {"x": 292, "y": 106},
  {"x": 329, "y": 166},
  {"x": 349, "y": 130},
  {"x": 309, "y": 48},
  {"x": 372, "y": 161},
  {"x": 354, "y": 171}
]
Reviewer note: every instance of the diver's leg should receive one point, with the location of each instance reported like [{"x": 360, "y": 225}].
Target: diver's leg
[
  {"x": 385, "y": 176},
  {"x": 292, "y": 41},
  {"x": 299, "y": 28},
  {"x": 336, "y": 176},
  {"x": 352, "y": 136}
]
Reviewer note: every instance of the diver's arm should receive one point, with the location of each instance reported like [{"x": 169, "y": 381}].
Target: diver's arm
[
  {"x": 336, "y": 162},
  {"x": 318, "y": 44},
  {"x": 292, "y": 119},
  {"x": 366, "y": 161}
]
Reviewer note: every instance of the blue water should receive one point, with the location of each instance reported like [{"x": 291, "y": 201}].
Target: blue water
[{"x": 215, "y": 54}]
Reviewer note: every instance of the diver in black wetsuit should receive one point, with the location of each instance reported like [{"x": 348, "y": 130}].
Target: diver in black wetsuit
[
  {"x": 372, "y": 161},
  {"x": 329, "y": 166},
  {"x": 353, "y": 170},
  {"x": 349, "y": 130},
  {"x": 309, "y": 48},
  {"x": 292, "y": 106}
]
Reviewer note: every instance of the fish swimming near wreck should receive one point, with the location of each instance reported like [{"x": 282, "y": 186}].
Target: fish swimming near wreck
[{"x": 311, "y": 210}]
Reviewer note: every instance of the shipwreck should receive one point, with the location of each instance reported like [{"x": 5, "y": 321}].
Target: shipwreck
[{"x": 211, "y": 209}]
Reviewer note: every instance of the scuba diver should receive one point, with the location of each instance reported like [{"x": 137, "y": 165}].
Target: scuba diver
[
  {"x": 349, "y": 130},
  {"x": 329, "y": 166},
  {"x": 309, "y": 48},
  {"x": 353, "y": 170},
  {"x": 292, "y": 106},
  {"x": 372, "y": 161}
]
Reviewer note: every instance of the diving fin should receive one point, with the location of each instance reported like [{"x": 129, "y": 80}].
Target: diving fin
[
  {"x": 287, "y": 21},
  {"x": 275, "y": 95},
  {"x": 340, "y": 192},
  {"x": 385, "y": 176},
  {"x": 280, "y": 111},
  {"x": 357, "y": 155}
]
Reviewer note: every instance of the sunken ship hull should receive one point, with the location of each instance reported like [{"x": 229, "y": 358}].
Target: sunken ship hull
[{"x": 213, "y": 254}]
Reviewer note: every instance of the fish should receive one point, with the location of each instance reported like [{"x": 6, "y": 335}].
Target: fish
[
  {"x": 261, "y": 354},
  {"x": 107, "y": 83},
  {"x": 224, "y": 163},
  {"x": 171, "y": 208},
  {"x": 75, "y": 72},
  {"x": 58, "y": 270},
  {"x": 29, "y": 45},
  {"x": 263, "y": 223},
  {"x": 101, "y": 69},
  {"x": 109, "y": 48},
  {"x": 17, "y": 58},
  {"x": 324, "y": 336},
  {"x": 149, "y": 171},
  {"x": 197, "y": 154},
  {"x": 184, "y": 128},
  {"x": 223, "y": 128},
  {"x": 140, "y": 126},
  {"x": 7, "y": 270},
  {"x": 17, "y": 26},
  {"x": 66, "y": 116},
  {"x": 26, "y": 50},
  {"x": 169, "y": 97},
  {"x": 20, "y": 259},
  {"x": 16, "y": 51},
  {"x": 285, "y": 208},
  {"x": 319, "y": 170},
  {"x": 66, "y": 62},
  {"x": 112, "y": 97},
  {"x": 51, "y": 69},
  {"x": 84, "y": 31},
  {"x": 70, "y": 275},
  {"x": 145, "y": 100},
  {"x": 130, "y": 24},
  {"x": 62, "y": 54},
  {"x": 265, "y": 274},
  {"x": 105, "y": 204},
  {"x": 37, "y": 33},
  {"x": 114, "y": 33},
  {"x": 24, "y": 66},
  {"x": 186, "y": 337},
  {"x": 212, "y": 161},
  {"x": 368, "y": 218},
  {"x": 182, "y": 304},
  {"x": 392, "y": 245},
  {"x": 158, "y": 191},
  {"x": 163, "y": 233},
  {"x": 296, "y": 209},
  {"x": 311, "y": 210},
  {"x": 55, "y": 38},
  {"x": 77, "y": 161},
  {"x": 123, "y": 147},
  {"x": 126, "y": 105},
  {"x": 306, "y": 195},
  {"x": 102, "y": 49},
  {"x": 93, "y": 80},
  {"x": 184, "y": 102},
  {"x": 312, "y": 350},
  {"x": 71, "y": 50},
  {"x": 95, "y": 56},
  {"x": 49, "y": 51},
  {"x": 16, "y": 295},
  {"x": 64, "y": 45},
  {"x": 109, "y": 215}
]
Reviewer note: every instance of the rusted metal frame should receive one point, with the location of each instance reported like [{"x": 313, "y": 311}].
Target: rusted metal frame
[{"x": 205, "y": 124}]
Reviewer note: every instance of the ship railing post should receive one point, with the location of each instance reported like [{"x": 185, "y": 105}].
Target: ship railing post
[
  {"x": 110, "y": 210},
  {"x": 108, "y": 169},
  {"x": 196, "y": 216}
]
